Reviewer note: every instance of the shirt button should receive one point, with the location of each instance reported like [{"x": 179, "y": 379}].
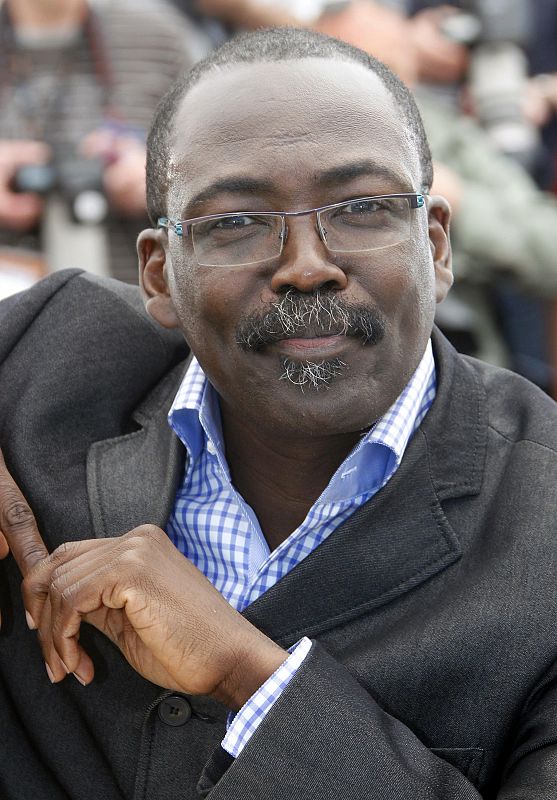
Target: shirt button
[
  {"x": 175, "y": 710},
  {"x": 211, "y": 447}
]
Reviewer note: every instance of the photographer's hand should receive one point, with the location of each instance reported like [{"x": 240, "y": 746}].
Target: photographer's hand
[
  {"x": 19, "y": 212},
  {"x": 439, "y": 59},
  {"x": 124, "y": 175}
]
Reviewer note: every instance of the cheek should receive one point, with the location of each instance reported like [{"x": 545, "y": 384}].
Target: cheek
[
  {"x": 405, "y": 286},
  {"x": 209, "y": 303}
]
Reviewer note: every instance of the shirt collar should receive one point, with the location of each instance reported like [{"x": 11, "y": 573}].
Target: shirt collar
[
  {"x": 195, "y": 418},
  {"x": 367, "y": 468},
  {"x": 195, "y": 413}
]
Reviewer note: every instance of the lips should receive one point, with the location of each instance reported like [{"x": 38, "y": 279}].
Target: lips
[{"x": 314, "y": 346}]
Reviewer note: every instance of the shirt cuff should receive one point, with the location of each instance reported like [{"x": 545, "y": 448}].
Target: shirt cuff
[{"x": 253, "y": 712}]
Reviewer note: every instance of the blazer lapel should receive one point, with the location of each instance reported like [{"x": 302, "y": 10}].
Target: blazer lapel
[
  {"x": 401, "y": 537},
  {"x": 132, "y": 479}
]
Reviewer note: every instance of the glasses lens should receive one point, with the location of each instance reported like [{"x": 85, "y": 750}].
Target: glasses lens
[
  {"x": 366, "y": 224},
  {"x": 237, "y": 239}
]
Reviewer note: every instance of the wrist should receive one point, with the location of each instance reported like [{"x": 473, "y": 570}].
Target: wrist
[{"x": 256, "y": 660}]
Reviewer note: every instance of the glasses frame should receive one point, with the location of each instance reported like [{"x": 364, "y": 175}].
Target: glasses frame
[{"x": 182, "y": 227}]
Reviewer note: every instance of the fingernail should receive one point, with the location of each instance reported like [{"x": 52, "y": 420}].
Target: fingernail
[
  {"x": 30, "y": 621},
  {"x": 65, "y": 667},
  {"x": 76, "y": 676},
  {"x": 49, "y": 673}
]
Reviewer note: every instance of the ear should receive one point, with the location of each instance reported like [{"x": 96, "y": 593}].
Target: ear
[
  {"x": 153, "y": 281},
  {"x": 439, "y": 213}
]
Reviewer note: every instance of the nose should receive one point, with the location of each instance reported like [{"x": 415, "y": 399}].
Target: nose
[{"x": 305, "y": 263}]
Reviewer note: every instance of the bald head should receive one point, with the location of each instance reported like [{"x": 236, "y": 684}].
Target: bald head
[{"x": 264, "y": 46}]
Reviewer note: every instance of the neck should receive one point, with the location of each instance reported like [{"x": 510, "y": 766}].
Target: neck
[
  {"x": 46, "y": 13},
  {"x": 280, "y": 477}
]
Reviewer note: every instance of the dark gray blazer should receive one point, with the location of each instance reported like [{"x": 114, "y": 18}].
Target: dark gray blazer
[{"x": 433, "y": 608}]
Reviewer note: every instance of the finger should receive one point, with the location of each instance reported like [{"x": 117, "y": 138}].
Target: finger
[
  {"x": 72, "y": 597},
  {"x": 65, "y": 626},
  {"x": 65, "y": 559},
  {"x": 4, "y": 549},
  {"x": 44, "y": 593},
  {"x": 18, "y": 524},
  {"x": 55, "y": 667},
  {"x": 17, "y": 153}
]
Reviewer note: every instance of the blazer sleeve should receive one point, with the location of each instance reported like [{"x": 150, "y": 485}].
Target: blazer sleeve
[
  {"x": 328, "y": 739},
  {"x": 20, "y": 310}
]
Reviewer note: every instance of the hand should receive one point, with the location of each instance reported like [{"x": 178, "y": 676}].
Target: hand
[
  {"x": 18, "y": 529},
  {"x": 250, "y": 14},
  {"x": 19, "y": 212},
  {"x": 380, "y": 31},
  {"x": 439, "y": 59},
  {"x": 166, "y": 618},
  {"x": 124, "y": 174},
  {"x": 540, "y": 99},
  {"x": 169, "y": 622}
]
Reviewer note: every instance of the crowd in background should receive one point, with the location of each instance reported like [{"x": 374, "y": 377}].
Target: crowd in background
[{"x": 79, "y": 82}]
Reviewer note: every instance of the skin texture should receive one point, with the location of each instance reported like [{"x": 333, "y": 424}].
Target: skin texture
[{"x": 283, "y": 133}]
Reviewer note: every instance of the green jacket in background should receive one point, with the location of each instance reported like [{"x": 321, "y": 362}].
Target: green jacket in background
[{"x": 505, "y": 225}]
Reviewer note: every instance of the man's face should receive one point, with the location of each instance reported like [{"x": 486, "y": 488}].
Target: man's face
[{"x": 286, "y": 137}]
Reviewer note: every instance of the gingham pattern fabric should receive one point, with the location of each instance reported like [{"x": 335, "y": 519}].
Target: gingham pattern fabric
[
  {"x": 252, "y": 714},
  {"x": 213, "y": 526}
]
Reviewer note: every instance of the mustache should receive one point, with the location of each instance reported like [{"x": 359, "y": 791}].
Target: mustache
[{"x": 320, "y": 313}]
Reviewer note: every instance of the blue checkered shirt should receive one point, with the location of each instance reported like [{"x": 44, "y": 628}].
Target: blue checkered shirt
[{"x": 214, "y": 527}]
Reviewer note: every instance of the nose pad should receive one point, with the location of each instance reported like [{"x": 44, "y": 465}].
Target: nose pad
[{"x": 319, "y": 229}]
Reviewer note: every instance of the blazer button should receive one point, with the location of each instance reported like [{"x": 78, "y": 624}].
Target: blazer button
[{"x": 174, "y": 710}]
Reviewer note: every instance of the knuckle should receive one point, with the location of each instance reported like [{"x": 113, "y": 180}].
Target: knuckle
[
  {"x": 142, "y": 533},
  {"x": 58, "y": 585},
  {"x": 32, "y": 553},
  {"x": 64, "y": 550},
  {"x": 154, "y": 536},
  {"x": 139, "y": 539},
  {"x": 67, "y": 596},
  {"x": 57, "y": 575},
  {"x": 16, "y": 515}
]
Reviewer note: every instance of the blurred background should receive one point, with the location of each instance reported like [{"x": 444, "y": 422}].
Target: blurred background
[{"x": 80, "y": 80}]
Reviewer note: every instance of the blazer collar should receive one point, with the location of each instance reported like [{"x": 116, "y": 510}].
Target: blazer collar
[
  {"x": 396, "y": 541},
  {"x": 132, "y": 479}
]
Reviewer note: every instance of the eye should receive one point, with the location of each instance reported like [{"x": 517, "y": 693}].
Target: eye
[
  {"x": 367, "y": 206},
  {"x": 368, "y": 213},
  {"x": 236, "y": 222}
]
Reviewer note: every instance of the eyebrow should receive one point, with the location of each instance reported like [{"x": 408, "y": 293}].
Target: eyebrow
[
  {"x": 330, "y": 177},
  {"x": 359, "y": 169},
  {"x": 233, "y": 185}
]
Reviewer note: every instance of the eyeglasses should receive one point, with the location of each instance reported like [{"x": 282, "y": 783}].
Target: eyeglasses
[{"x": 251, "y": 237}]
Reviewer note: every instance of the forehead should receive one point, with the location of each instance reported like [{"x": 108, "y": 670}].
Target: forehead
[{"x": 285, "y": 125}]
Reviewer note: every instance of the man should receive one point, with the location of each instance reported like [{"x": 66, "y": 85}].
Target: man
[{"x": 365, "y": 501}]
